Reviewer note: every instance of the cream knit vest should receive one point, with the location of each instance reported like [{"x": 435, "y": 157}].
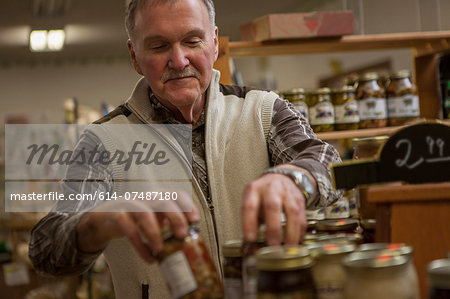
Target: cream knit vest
[{"x": 236, "y": 131}]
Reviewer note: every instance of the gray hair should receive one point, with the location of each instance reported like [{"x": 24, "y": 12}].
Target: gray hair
[{"x": 137, "y": 4}]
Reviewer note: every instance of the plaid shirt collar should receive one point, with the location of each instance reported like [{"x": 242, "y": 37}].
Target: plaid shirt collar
[{"x": 166, "y": 116}]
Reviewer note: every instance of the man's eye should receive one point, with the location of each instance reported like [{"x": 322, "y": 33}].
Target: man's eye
[
  {"x": 193, "y": 42},
  {"x": 157, "y": 47}
]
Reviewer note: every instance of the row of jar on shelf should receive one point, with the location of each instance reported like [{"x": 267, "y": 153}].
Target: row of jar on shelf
[{"x": 363, "y": 102}]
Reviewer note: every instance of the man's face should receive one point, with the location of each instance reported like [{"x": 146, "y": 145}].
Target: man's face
[{"x": 174, "y": 49}]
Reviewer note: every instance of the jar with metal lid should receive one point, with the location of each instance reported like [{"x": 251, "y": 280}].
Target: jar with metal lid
[
  {"x": 328, "y": 272},
  {"x": 345, "y": 109},
  {"x": 187, "y": 267},
  {"x": 249, "y": 271},
  {"x": 438, "y": 274},
  {"x": 321, "y": 110},
  {"x": 396, "y": 249},
  {"x": 232, "y": 269},
  {"x": 371, "y": 275},
  {"x": 371, "y": 102},
  {"x": 285, "y": 271},
  {"x": 298, "y": 99},
  {"x": 402, "y": 99}
]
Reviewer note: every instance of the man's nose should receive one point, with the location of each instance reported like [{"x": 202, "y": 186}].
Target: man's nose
[{"x": 178, "y": 59}]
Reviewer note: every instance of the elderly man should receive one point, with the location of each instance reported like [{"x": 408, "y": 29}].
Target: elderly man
[{"x": 253, "y": 155}]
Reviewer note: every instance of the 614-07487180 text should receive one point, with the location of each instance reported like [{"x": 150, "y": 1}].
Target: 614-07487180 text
[{"x": 103, "y": 196}]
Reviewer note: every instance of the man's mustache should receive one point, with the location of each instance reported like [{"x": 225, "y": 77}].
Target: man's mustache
[{"x": 186, "y": 72}]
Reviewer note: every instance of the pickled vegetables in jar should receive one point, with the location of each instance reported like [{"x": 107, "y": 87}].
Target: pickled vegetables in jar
[
  {"x": 187, "y": 267},
  {"x": 321, "y": 110},
  {"x": 371, "y": 102},
  {"x": 403, "y": 101}
]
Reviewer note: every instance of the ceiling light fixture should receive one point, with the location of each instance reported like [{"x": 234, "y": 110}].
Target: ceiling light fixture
[{"x": 47, "y": 40}]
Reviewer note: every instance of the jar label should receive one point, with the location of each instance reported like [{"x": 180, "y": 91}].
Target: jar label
[
  {"x": 177, "y": 273},
  {"x": 347, "y": 112},
  {"x": 321, "y": 114},
  {"x": 404, "y": 106},
  {"x": 372, "y": 108},
  {"x": 301, "y": 107}
]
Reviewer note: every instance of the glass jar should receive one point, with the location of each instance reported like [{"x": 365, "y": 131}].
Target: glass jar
[
  {"x": 367, "y": 147},
  {"x": 371, "y": 102},
  {"x": 371, "y": 275},
  {"x": 321, "y": 110},
  {"x": 328, "y": 272},
  {"x": 298, "y": 99},
  {"x": 402, "y": 99},
  {"x": 345, "y": 109},
  {"x": 187, "y": 267},
  {"x": 285, "y": 272},
  {"x": 232, "y": 269},
  {"x": 438, "y": 274},
  {"x": 396, "y": 249},
  {"x": 249, "y": 271}
]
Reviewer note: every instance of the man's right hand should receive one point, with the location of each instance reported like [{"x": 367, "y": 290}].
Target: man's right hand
[{"x": 142, "y": 228}]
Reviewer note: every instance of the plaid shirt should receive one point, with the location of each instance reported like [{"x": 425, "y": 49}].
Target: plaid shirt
[{"x": 53, "y": 247}]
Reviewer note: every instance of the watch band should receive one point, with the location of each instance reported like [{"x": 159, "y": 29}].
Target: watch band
[{"x": 300, "y": 179}]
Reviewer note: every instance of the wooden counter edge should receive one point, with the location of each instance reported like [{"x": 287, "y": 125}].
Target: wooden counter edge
[{"x": 385, "y": 193}]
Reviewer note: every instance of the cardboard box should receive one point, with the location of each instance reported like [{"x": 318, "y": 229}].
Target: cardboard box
[{"x": 298, "y": 25}]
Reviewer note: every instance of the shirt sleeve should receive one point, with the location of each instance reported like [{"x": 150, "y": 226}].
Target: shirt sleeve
[
  {"x": 53, "y": 243},
  {"x": 292, "y": 141}
]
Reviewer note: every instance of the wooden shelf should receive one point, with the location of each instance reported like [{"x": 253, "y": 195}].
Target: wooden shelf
[
  {"x": 363, "y": 132},
  {"x": 423, "y": 43}
]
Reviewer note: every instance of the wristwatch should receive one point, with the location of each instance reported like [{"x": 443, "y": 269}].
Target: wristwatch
[{"x": 300, "y": 179}]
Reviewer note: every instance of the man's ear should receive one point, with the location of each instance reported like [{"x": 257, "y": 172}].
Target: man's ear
[
  {"x": 133, "y": 57},
  {"x": 216, "y": 43}
]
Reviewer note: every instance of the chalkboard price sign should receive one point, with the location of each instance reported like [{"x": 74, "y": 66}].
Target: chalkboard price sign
[{"x": 418, "y": 153}]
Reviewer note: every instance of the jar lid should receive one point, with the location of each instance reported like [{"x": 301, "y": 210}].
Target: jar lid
[
  {"x": 337, "y": 225},
  {"x": 323, "y": 90},
  {"x": 369, "y": 76},
  {"x": 282, "y": 258},
  {"x": 346, "y": 88},
  {"x": 364, "y": 260},
  {"x": 438, "y": 272},
  {"x": 312, "y": 224},
  {"x": 351, "y": 79},
  {"x": 319, "y": 250},
  {"x": 389, "y": 248},
  {"x": 377, "y": 140},
  {"x": 401, "y": 74},
  {"x": 232, "y": 248},
  {"x": 368, "y": 223}
]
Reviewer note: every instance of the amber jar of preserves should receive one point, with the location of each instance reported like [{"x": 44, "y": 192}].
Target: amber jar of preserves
[
  {"x": 371, "y": 102},
  {"x": 438, "y": 274},
  {"x": 187, "y": 267},
  {"x": 369, "y": 226},
  {"x": 321, "y": 110},
  {"x": 298, "y": 98},
  {"x": 367, "y": 147},
  {"x": 374, "y": 275},
  {"x": 346, "y": 111},
  {"x": 285, "y": 272},
  {"x": 232, "y": 269},
  {"x": 328, "y": 272},
  {"x": 402, "y": 99}
]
